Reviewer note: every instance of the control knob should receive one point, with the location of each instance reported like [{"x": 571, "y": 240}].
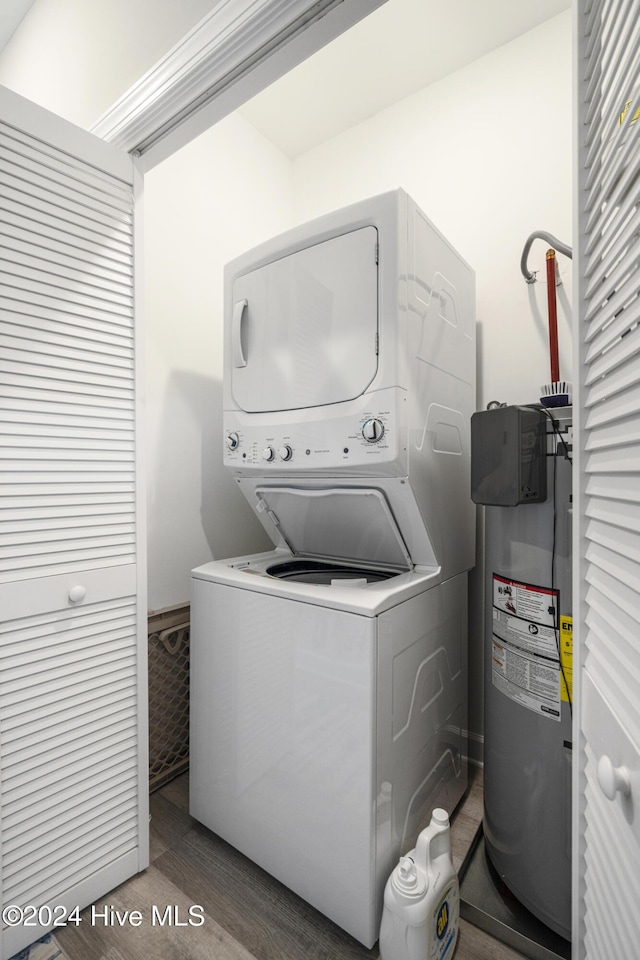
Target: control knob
[
  {"x": 285, "y": 452},
  {"x": 268, "y": 454},
  {"x": 233, "y": 441},
  {"x": 373, "y": 430}
]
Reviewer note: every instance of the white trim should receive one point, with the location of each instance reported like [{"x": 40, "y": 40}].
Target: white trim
[
  {"x": 579, "y": 480},
  {"x": 234, "y": 52},
  {"x": 142, "y": 678}
]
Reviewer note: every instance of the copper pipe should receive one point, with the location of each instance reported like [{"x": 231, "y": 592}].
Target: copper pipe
[{"x": 553, "y": 316}]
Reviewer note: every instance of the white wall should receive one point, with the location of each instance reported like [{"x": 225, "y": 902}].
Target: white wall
[
  {"x": 77, "y": 57},
  {"x": 487, "y": 154},
  {"x": 217, "y": 197}
]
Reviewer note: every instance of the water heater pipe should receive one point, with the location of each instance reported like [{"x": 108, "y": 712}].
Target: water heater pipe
[
  {"x": 530, "y": 276},
  {"x": 553, "y": 316}
]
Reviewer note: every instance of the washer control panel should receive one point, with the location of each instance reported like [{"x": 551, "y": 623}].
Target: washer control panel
[{"x": 366, "y": 439}]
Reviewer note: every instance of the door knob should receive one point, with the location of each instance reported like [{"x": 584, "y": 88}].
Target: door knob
[{"x": 613, "y": 779}]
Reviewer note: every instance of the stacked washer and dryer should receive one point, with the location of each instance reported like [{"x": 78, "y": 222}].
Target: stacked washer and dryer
[{"x": 328, "y": 675}]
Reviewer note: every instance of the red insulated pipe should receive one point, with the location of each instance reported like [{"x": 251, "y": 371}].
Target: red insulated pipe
[{"x": 553, "y": 316}]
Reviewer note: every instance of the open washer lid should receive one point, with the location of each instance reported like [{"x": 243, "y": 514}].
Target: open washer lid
[{"x": 334, "y": 523}]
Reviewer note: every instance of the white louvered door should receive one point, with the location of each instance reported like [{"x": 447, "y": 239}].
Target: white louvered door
[
  {"x": 607, "y": 540},
  {"x": 73, "y": 755}
]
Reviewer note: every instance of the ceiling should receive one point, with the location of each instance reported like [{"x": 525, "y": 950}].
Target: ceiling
[
  {"x": 12, "y": 13},
  {"x": 401, "y": 47}
]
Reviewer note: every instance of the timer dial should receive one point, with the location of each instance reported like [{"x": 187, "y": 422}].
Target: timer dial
[{"x": 373, "y": 430}]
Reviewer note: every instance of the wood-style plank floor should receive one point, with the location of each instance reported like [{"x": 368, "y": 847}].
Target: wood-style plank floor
[{"x": 247, "y": 914}]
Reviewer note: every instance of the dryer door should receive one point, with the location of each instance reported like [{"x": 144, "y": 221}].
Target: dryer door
[{"x": 303, "y": 329}]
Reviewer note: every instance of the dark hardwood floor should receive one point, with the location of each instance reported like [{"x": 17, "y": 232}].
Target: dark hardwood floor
[{"x": 247, "y": 914}]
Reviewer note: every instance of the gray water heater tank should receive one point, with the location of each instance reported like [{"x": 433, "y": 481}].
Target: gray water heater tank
[{"x": 527, "y": 684}]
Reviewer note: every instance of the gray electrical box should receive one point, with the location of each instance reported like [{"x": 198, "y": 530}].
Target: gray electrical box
[{"x": 508, "y": 462}]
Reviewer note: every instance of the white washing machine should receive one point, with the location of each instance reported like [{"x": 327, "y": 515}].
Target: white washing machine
[{"x": 328, "y": 676}]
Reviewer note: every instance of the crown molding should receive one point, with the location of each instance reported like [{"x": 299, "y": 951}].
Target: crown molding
[{"x": 232, "y": 54}]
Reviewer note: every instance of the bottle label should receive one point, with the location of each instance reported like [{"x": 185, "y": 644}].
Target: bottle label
[{"x": 445, "y": 923}]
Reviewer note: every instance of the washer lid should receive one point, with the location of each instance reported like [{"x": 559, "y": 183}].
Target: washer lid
[{"x": 336, "y": 523}]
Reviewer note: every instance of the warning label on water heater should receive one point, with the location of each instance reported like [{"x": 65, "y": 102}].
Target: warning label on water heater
[{"x": 525, "y": 659}]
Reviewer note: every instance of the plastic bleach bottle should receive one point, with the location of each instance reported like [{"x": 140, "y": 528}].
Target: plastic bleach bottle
[{"x": 421, "y": 911}]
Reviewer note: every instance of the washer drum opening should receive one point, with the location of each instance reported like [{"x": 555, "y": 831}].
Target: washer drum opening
[{"x": 325, "y": 572}]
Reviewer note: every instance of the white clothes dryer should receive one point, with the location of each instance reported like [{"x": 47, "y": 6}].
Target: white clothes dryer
[{"x": 328, "y": 676}]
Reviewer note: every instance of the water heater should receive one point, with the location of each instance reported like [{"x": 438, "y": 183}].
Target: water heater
[{"x": 521, "y": 472}]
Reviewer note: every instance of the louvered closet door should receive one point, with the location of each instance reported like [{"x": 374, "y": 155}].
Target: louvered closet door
[
  {"x": 73, "y": 814},
  {"x": 607, "y": 547}
]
